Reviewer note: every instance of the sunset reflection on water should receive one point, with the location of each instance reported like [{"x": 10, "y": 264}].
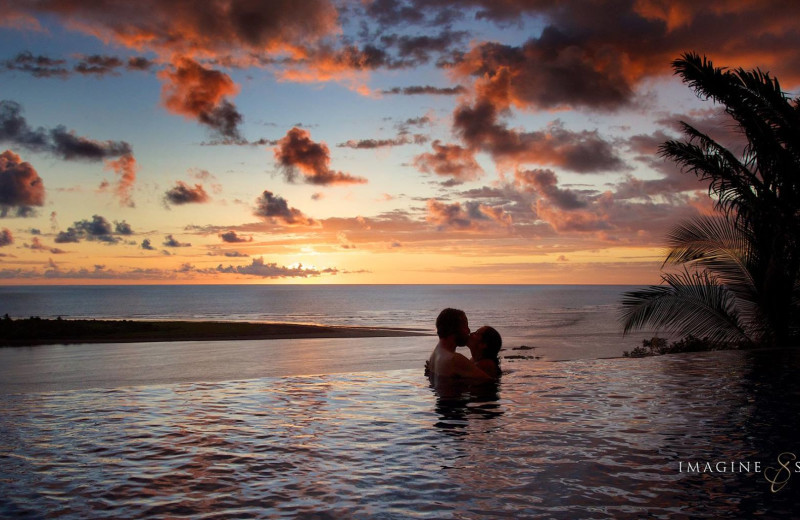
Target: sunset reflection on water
[{"x": 599, "y": 439}]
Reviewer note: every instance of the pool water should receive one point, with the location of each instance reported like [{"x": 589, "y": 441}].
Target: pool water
[{"x": 575, "y": 439}]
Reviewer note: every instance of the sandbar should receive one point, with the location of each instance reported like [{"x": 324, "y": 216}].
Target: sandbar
[{"x": 39, "y": 331}]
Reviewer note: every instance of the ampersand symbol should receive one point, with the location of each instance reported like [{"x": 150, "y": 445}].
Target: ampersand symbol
[{"x": 778, "y": 480}]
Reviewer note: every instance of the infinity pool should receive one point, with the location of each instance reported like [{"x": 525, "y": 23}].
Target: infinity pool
[{"x": 576, "y": 439}]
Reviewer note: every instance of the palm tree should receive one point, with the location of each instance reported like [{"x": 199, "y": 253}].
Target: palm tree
[{"x": 740, "y": 280}]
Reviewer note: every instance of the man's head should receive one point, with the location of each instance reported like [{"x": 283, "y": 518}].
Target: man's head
[{"x": 453, "y": 322}]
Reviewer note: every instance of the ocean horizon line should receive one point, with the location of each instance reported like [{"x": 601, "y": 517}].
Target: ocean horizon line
[{"x": 126, "y": 284}]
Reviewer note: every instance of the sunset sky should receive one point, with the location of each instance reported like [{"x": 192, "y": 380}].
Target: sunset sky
[{"x": 287, "y": 141}]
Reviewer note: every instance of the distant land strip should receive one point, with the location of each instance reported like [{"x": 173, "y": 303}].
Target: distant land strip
[{"x": 41, "y": 331}]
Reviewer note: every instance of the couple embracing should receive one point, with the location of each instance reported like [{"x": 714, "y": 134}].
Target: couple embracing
[{"x": 484, "y": 345}]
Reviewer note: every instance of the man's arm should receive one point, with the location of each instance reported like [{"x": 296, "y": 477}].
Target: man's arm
[{"x": 463, "y": 367}]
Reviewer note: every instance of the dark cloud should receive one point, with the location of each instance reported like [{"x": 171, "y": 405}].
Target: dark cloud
[
  {"x": 122, "y": 228},
  {"x": 545, "y": 183},
  {"x": 673, "y": 181},
  {"x": 547, "y": 73},
  {"x": 415, "y": 121},
  {"x": 58, "y": 141},
  {"x": 297, "y": 153},
  {"x": 69, "y": 146},
  {"x": 506, "y": 10},
  {"x": 21, "y": 188},
  {"x": 38, "y": 66},
  {"x": 470, "y": 216},
  {"x": 368, "y": 57},
  {"x": 271, "y": 270},
  {"x": 586, "y": 151},
  {"x": 397, "y": 13},
  {"x": 6, "y": 238},
  {"x": 240, "y": 142},
  {"x": 98, "y": 228},
  {"x": 139, "y": 63},
  {"x": 147, "y": 245},
  {"x": 182, "y": 193},
  {"x": 416, "y": 90},
  {"x": 391, "y": 13},
  {"x": 98, "y": 65},
  {"x": 328, "y": 62},
  {"x": 171, "y": 241},
  {"x": 449, "y": 160},
  {"x": 404, "y": 128},
  {"x": 417, "y": 50},
  {"x": 71, "y": 235},
  {"x": 714, "y": 122},
  {"x": 369, "y": 144},
  {"x": 276, "y": 209},
  {"x": 232, "y": 238}
]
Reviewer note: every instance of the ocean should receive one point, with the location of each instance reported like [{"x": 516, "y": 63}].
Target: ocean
[
  {"x": 561, "y": 321},
  {"x": 351, "y": 428}
]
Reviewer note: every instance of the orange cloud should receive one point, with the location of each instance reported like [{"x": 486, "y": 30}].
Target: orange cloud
[
  {"x": 471, "y": 216},
  {"x": 198, "y": 29},
  {"x": 125, "y": 167},
  {"x": 182, "y": 193},
  {"x": 595, "y": 55},
  {"x": 449, "y": 160},
  {"x": 567, "y": 221},
  {"x": 296, "y": 152},
  {"x": 200, "y": 93}
]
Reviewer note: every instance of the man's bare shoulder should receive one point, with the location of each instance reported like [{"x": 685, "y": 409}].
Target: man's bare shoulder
[{"x": 441, "y": 362}]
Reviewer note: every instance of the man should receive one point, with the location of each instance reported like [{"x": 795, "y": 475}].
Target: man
[{"x": 452, "y": 327}]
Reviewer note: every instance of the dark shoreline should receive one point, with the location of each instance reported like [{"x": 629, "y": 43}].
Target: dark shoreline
[{"x": 39, "y": 331}]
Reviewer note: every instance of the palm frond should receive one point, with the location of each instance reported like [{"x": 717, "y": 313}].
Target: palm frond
[
  {"x": 701, "y": 75},
  {"x": 717, "y": 245},
  {"x": 733, "y": 192},
  {"x": 689, "y": 303},
  {"x": 768, "y": 118}
]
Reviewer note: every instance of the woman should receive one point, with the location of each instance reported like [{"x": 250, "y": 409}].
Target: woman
[{"x": 484, "y": 344}]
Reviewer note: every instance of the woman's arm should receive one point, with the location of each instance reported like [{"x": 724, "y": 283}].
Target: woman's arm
[{"x": 467, "y": 369}]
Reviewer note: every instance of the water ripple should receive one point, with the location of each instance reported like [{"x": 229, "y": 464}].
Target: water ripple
[{"x": 589, "y": 439}]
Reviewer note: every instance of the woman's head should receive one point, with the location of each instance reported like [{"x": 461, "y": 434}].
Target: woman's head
[{"x": 485, "y": 343}]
